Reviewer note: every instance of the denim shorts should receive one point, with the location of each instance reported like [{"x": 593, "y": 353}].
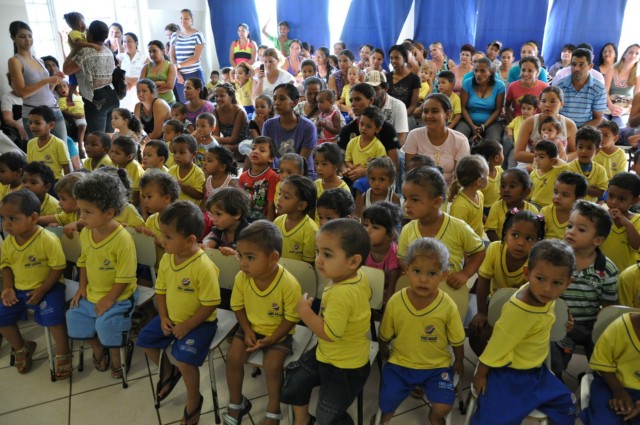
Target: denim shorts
[{"x": 49, "y": 312}]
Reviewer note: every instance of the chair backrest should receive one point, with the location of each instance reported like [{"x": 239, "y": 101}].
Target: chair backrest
[
  {"x": 145, "y": 248},
  {"x": 459, "y": 296},
  {"x": 608, "y": 315},
  {"x": 321, "y": 282},
  {"x": 228, "y": 266},
  {"x": 71, "y": 247},
  {"x": 559, "y": 328},
  {"x": 303, "y": 272},
  {"x": 498, "y": 299},
  {"x": 376, "y": 283}
]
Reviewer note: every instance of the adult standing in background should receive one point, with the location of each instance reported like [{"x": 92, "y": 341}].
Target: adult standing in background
[
  {"x": 281, "y": 42},
  {"x": 131, "y": 62},
  {"x": 170, "y": 32},
  {"x": 114, "y": 42},
  {"x": 30, "y": 79},
  {"x": 186, "y": 51},
  {"x": 160, "y": 71},
  {"x": 94, "y": 73},
  {"x": 244, "y": 49}
]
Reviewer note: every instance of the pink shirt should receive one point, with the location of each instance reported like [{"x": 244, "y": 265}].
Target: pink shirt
[
  {"x": 516, "y": 92},
  {"x": 388, "y": 263}
]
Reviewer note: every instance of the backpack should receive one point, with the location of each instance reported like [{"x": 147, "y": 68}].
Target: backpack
[{"x": 119, "y": 83}]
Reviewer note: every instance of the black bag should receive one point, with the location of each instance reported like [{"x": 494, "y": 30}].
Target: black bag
[{"x": 119, "y": 83}]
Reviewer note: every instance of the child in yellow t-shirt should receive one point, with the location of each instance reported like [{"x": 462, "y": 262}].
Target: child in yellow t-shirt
[
  {"x": 73, "y": 110},
  {"x": 623, "y": 243},
  {"x": 123, "y": 153},
  {"x": 38, "y": 178},
  {"x": 101, "y": 309},
  {"x": 514, "y": 357},
  {"x": 344, "y": 102},
  {"x": 339, "y": 364},
  {"x": 297, "y": 199},
  {"x": 155, "y": 155},
  {"x": 491, "y": 151},
  {"x": 615, "y": 392},
  {"x": 611, "y": 157},
  {"x": 334, "y": 203},
  {"x": 244, "y": 87},
  {"x": 190, "y": 177},
  {"x": 528, "y": 107},
  {"x": 45, "y": 146},
  {"x": 421, "y": 322},
  {"x": 32, "y": 264},
  {"x": 446, "y": 82},
  {"x": 569, "y": 187},
  {"x": 264, "y": 299},
  {"x": 363, "y": 148},
  {"x": 188, "y": 294},
  {"x": 68, "y": 217},
  {"x": 587, "y": 145},
  {"x": 97, "y": 147},
  {"x": 547, "y": 168},
  {"x": 426, "y": 81},
  {"x": 11, "y": 170},
  {"x": 465, "y": 193}
]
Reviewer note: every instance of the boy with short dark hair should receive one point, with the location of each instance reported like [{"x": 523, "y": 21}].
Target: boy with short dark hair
[
  {"x": 339, "y": 364},
  {"x": 334, "y": 203},
  {"x": 187, "y": 294},
  {"x": 32, "y": 265},
  {"x": 446, "y": 83},
  {"x": 588, "y": 141},
  {"x": 544, "y": 176},
  {"x": 594, "y": 281},
  {"x": 623, "y": 242},
  {"x": 38, "y": 178},
  {"x": 611, "y": 157},
  {"x": 568, "y": 188},
  {"x": 155, "y": 155},
  {"x": 45, "y": 146}
]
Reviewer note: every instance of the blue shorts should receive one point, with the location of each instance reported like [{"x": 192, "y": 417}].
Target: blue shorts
[
  {"x": 50, "y": 311},
  {"x": 598, "y": 411},
  {"x": 112, "y": 327},
  {"x": 192, "y": 349},
  {"x": 512, "y": 394},
  {"x": 398, "y": 381}
]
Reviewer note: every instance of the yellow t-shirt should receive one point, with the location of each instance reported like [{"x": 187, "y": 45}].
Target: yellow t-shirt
[
  {"x": 169, "y": 162},
  {"x": 53, "y": 153},
  {"x": 346, "y": 89},
  {"x": 614, "y": 163},
  {"x": 76, "y": 109},
  {"x": 424, "y": 91},
  {"x": 492, "y": 191},
  {"x": 629, "y": 286},
  {"x": 596, "y": 177},
  {"x": 108, "y": 262},
  {"x": 469, "y": 211},
  {"x": 32, "y": 261},
  {"x": 64, "y": 218},
  {"x": 134, "y": 171},
  {"x": 617, "y": 352},
  {"x": 494, "y": 267},
  {"x": 617, "y": 248},
  {"x": 5, "y": 189},
  {"x": 243, "y": 93},
  {"x": 49, "y": 206},
  {"x": 320, "y": 190},
  {"x": 516, "y": 125},
  {"x": 76, "y": 35},
  {"x": 553, "y": 228},
  {"x": 188, "y": 286},
  {"x": 194, "y": 178},
  {"x": 267, "y": 309},
  {"x": 105, "y": 161},
  {"x": 361, "y": 156},
  {"x": 520, "y": 338},
  {"x": 346, "y": 313},
  {"x": 130, "y": 217},
  {"x": 455, "y": 234},
  {"x": 543, "y": 184},
  {"x": 456, "y": 104},
  {"x": 298, "y": 243},
  {"x": 420, "y": 338},
  {"x": 498, "y": 214}
]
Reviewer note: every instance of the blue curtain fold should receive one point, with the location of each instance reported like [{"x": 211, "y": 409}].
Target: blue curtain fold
[
  {"x": 376, "y": 22},
  {"x": 453, "y": 23},
  {"x": 308, "y": 19},
  {"x": 225, "y": 18},
  {"x": 593, "y": 22},
  {"x": 511, "y": 22}
]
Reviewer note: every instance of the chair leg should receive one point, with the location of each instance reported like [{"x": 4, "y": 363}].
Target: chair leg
[
  {"x": 81, "y": 357},
  {"x": 214, "y": 388},
  {"x": 160, "y": 377},
  {"x": 378, "y": 418},
  {"x": 52, "y": 366},
  {"x": 290, "y": 410},
  {"x": 471, "y": 408},
  {"x": 126, "y": 354},
  {"x": 360, "y": 407}
]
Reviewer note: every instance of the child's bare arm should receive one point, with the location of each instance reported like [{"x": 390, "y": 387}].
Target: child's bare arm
[
  {"x": 82, "y": 288},
  {"x": 471, "y": 266},
  {"x": 106, "y": 302},
  {"x": 46, "y": 220},
  {"x": 621, "y": 401},
  {"x": 250, "y": 339},
  {"x": 480, "y": 378},
  {"x": 359, "y": 205},
  {"x": 136, "y": 196},
  {"x": 458, "y": 365},
  {"x": 632, "y": 235},
  {"x": 312, "y": 320},
  {"x": 80, "y": 43},
  {"x": 181, "y": 330},
  {"x": 482, "y": 293},
  {"x": 66, "y": 169},
  {"x": 8, "y": 289},
  {"x": 595, "y": 191},
  {"x": 455, "y": 120},
  {"x": 190, "y": 191},
  {"x": 492, "y": 235},
  {"x": 334, "y": 126},
  {"x": 271, "y": 210}
]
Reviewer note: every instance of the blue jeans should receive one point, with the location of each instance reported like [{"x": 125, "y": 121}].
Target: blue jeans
[
  {"x": 98, "y": 111},
  {"x": 199, "y": 73}
]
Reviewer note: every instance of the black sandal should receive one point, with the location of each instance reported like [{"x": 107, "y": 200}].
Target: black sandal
[
  {"x": 104, "y": 356},
  {"x": 169, "y": 382},
  {"x": 188, "y": 416}
]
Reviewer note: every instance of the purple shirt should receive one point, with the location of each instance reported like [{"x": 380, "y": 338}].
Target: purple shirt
[
  {"x": 206, "y": 107},
  {"x": 304, "y": 135}
]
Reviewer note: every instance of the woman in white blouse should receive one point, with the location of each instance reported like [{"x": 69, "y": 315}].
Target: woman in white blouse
[{"x": 131, "y": 62}]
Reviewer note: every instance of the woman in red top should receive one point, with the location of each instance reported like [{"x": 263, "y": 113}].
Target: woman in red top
[{"x": 243, "y": 49}]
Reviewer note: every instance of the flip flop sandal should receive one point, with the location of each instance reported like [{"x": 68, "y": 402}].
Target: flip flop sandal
[
  {"x": 244, "y": 408},
  {"x": 64, "y": 366},
  {"x": 24, "y": 356},
  {"x": 104, "y": 358},
  {"x": 168, "y": 383},
  {"x": 188, "y": 416}
]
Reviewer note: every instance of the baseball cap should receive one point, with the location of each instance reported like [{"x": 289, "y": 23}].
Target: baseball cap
[{"x": 374, "y": 78}]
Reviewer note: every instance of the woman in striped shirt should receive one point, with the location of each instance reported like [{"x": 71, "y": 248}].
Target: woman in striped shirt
[{"x": 186, "y": 51}]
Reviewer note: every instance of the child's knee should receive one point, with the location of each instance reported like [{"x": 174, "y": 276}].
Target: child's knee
[{"x": 440, "y": 410}]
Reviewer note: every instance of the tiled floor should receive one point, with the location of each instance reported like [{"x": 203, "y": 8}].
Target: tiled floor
[{"x": 91, "y": 397}]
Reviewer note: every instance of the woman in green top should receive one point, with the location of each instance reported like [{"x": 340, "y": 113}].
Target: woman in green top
[{"x": 160, "y": 71}]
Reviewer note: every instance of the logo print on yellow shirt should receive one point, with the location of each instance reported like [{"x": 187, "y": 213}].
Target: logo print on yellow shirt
[
  {"x": 47, "y": 157},
  {"x": 32, "y": 258},
  {"x": 429, "y": 335},
  {"x": 185, "y": 282},
  {"x": 106, "y": 262}
]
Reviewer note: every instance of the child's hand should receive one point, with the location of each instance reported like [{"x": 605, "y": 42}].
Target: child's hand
[
  {"x": 384, "y": 351},
  {"x": 9, "y": 297},
  {"x": 570, "y": 324},
  {"x": 144, "y": 230},
  {"x": 478, "y": 322},
  {"x": 618, "y": 218},
  {"x": 166, "y": 325},
  {"x": 457, "y": 280},
  {"x": 480, "y": 383},
  {"x": 250, "y": 339},
  {"x": 261, "y": 343},
  {"x": 103, "y": 305},
  {"x": 81, "y": 293},
  {"x": 35, "y": 296},
  {"x": 181, "y": 330},
  {"x": 635, "y": 411},
  {"x": 228, "y": 251},
  {"x": 621, "y": 403},
  {"x": 304, "y": 305}
]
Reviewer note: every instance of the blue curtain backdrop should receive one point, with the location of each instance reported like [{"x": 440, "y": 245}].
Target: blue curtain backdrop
[
  {"x": 376, "y": 22},
  {"x": 526, "y": 22},
  {"x": 453, "y": 23},
  {"x": 594, "y": 22},
  {"x": 225, "y": 17},
  {"x": 309, "y": 20}
]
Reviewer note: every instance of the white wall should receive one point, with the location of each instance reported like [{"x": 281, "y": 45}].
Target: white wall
[{"x": 12, "y": 10}]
